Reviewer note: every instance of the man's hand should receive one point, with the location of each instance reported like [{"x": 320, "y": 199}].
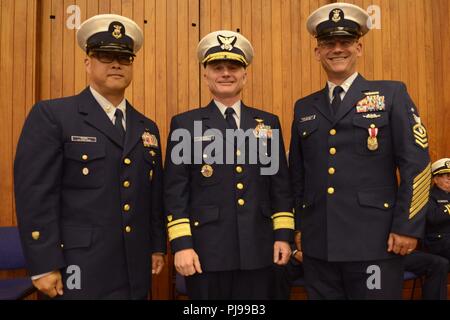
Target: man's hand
[
  {"x": 298, "y": 240},
  {"x": 157, "y": 262},
  {"x": 187, "y": 262},
  {"x": 281, "y": 252},
  {"x": 298, "y": 244},
  {"x": 401, "y": 245},
  {"x": 298, "y": 256},
  {"x": 50, "y": 285}
]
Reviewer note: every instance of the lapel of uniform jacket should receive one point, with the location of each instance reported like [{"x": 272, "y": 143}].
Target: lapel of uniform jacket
[
  {"x": 247, "y": 118},
  {"x": 322, "y": 104},
  {"x": 248, "y": 121},
  {"x": 214, "y": 119},
  {"x": 95, "y": 116},
  {"x": 353, "y": 95},
  {"x": 135, "y": 129}
]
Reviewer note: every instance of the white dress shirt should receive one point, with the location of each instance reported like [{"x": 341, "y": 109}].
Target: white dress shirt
[
  {"x": 345, "y": 85},
  {"x": 237, "y": 111},
  {"x": 109, "y": 108}
]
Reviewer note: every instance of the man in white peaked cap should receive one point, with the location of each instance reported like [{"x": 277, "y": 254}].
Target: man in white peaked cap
[
  {"x": 88, "y": 179},
  {"x": 437, "y": 238},
  {"x": 348, "y": 141},
  {"x": 227, "y": 223}
]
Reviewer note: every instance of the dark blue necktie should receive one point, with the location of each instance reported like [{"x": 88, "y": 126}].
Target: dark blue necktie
[
  {"x": 336, "y": 100},
  {"x": 118, "y": 123},
  {"x": 230, "y": 118}
]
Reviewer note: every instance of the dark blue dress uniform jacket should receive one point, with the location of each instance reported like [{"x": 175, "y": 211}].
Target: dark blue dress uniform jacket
[
  {"x": 437, "y": 238},
  {"x": 83, "y": 198},
  {"x": 230, "y": 227},
  {"x": 347, "y": 198}
]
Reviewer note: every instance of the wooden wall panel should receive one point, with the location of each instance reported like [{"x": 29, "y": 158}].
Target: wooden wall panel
[
  {"x": 6, "y": 88},
  {"x": 40, "y": 59},
  {"x": 18, "y": 21},
  {"x": 17, "y": 87},
  {"x": 284, "y": 67}
]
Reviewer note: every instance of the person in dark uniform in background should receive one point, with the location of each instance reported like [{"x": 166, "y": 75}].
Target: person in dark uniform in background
[
  {"x": 228, "y": 223},
  {"x": 348, "y": 140},
  {"x": 434, "y": 264},
  {"x": 88, "y": 179},
  {"x": 437, "y": 238},
  {"x": 433, "y": 269}
]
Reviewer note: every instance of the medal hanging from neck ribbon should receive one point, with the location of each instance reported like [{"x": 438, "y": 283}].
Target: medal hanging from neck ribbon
[{"x": 372, "y": 141}]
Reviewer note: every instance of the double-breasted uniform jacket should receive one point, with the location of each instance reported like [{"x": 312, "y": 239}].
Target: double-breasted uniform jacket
[
  {"x": 85, "y": 198},
  {"x": 437, "y": 239},
  {"x": 229, "y": 213},
  {"x": 346, "y": 194}
]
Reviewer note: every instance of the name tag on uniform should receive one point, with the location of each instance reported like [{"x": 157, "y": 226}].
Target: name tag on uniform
[
  {"x": 308, "y": 118},
  {"x": 442, "y": 201},
  {"x": 203, "y": 138},
  {"x": 83, "y": 139}
]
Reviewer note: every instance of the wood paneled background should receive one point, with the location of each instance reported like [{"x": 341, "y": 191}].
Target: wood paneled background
[{"x": 39, "y": 59}]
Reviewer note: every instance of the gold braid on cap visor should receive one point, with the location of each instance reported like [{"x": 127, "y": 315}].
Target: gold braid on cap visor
[
  {"x": 441, "y": 171},
  {"x": 225, "y": 56}
]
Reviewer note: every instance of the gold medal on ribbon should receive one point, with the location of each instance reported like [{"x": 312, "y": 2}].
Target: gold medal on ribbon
[
  {"x": 372, "y": 141},
  {"x": 207, "y": 171}
]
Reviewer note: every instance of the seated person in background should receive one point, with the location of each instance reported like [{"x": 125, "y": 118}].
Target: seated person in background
[
  {"x": 286, "y": 275},
  {"x": 437, "y": 232},
  {"x": 434, "y": 268}
]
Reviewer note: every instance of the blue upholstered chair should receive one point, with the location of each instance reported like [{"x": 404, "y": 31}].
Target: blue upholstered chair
[
  {"x": 11, "y": 258},
  {"x": 414, "y": 277}
]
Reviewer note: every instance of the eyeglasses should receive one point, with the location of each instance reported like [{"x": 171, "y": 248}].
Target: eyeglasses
[
  {"x": 331, "y": 43},
  {"x": 108, "y": 57}
]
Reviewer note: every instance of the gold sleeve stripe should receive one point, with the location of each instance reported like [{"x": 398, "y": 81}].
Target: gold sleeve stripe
[
  {"x": 178, "y": 221},
  {"x": 424, "y": 179},
  {"x": 421, "y": 191},
  {"x": 423, "y": 175},
  {"x": 179, "y": 230},
  {"x": 418, "y": 197},
  {"x": 283, "y": 223},
  {"x": 419, "y": 201},
  {"x": 282, "y": 214},
  {"x": 423, "y": 187},
  {"x": 419, "y": 207}
]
